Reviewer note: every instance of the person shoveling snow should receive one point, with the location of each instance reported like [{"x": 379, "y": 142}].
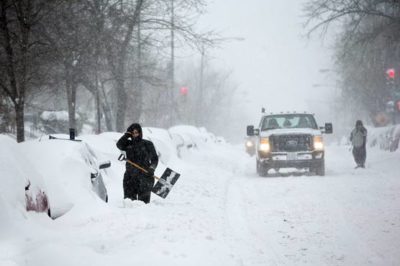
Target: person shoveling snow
[{"x": 138, "y": 184}]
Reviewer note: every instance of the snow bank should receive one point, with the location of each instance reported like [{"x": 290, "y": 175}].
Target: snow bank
[
  {"x": 13, "y": 179},
  {"x": 386, "y": 138},
  {"x": 194, "y": 136},
  {"x": 60, "y": 168}
]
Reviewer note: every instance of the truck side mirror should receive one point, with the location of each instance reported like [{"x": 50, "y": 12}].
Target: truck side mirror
[
  {"x": 328, "y": 128},
  {"x": 250, "y": 131}
]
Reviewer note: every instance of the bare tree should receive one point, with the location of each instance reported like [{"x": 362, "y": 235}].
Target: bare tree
[
  {"x": 367, "y": 45},
  {"x": 123, "y": 18},
  {"x": 122, "y": 52},
  {"x": 20, "y": 51},
  {"x": 154, "y": 19}
]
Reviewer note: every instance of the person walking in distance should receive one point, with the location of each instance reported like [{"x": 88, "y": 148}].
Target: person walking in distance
[
  {"x": 358, "y": 139},
  {"x": 137, "y": 184}
]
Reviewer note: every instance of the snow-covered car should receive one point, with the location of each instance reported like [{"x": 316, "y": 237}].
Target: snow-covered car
[
  {"x": 22, "y": 188},
  {"x": 163, "y": 143},
  {"x": 192, "y": 136},
  {"x": 291, "y": 140},
  {"x": 188, "y": 138},
  {"x": 179, "y": 143},
  {"x": 71, "y": 170}
]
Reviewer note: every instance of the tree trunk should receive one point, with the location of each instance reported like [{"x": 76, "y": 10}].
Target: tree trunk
[
  {"x": 121, "y": 105},
  {"x": 120, "y": 73},
  {"x": 106, "y": 109},
  {"x": 19, "y": 115},
  {"x": 107, "y": 116},
  {"x": 16, "y": 83},
  {"x": 138, "y": 89}
]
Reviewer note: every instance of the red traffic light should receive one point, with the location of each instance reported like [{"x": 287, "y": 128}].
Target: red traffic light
[
  {"x": 391, "y": 73},
  {"x": 183, "y": 90}
]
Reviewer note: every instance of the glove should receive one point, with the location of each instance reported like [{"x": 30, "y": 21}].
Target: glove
[
  {"x": 150, "y": 172},
  {"x": 130, "y": 128}
]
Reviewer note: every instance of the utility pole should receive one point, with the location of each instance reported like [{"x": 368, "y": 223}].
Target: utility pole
[
  {"x": 390, "y": 108},
  {"x": 98, "y": 113},
  {"x": 96, "y": 70},
  {"x": 139, "y": 67},
  {"x": 170, "y": 98},
  {"x": 199, "y": 108}
]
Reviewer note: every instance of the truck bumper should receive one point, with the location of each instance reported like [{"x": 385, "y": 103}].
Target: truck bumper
[{"x": 291, "y": 159}]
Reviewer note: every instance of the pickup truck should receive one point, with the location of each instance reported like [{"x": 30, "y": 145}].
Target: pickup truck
[{"x": 289, "y": 140}]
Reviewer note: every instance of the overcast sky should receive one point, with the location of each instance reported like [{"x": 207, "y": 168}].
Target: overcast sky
[{"x": 275, "y": 65}]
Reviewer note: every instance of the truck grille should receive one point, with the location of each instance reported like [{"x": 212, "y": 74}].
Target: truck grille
[{"x": 291, "y": 143}]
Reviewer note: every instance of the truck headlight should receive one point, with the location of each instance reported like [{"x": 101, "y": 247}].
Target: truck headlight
[
  {"x": 249, "y": 144},
  {"x": 318, "y": 143},
  {"x": 264, "y": 145}
]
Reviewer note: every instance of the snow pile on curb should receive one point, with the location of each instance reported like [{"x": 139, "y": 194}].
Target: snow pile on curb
[
  {"x": 386, "y": 138},
  {"x": 18, "y": 180},
  {"x": 62, "y": 182}
]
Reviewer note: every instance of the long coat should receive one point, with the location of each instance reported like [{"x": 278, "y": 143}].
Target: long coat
[
  {"x": 137, "y": 184},
  {"x": 358, "y": 138}
]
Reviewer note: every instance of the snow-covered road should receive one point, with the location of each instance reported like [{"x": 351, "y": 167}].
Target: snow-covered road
[
  {"x": 349, "y": 217},
  {"x": 221, "y": 213}
]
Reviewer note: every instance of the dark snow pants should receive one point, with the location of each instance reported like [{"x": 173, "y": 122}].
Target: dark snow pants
[
  {"x": 137, "y": 186},
  {"x": 360, "y": 155}
]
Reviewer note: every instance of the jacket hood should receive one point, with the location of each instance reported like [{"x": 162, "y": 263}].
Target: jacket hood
[{"x": 138, "y": 128}]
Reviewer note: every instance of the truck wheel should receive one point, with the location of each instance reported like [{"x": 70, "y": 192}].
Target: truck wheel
[
  {"x": 320, "y": 169},
  {"x": 261, "y": 170},
  {"x": 258, "y": 167}
]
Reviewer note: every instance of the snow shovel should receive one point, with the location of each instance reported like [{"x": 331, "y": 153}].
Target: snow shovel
[{"x": 164, "y": 183}]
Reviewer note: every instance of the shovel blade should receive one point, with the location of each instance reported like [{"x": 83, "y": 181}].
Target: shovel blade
[{"x": 165, "y": 183}]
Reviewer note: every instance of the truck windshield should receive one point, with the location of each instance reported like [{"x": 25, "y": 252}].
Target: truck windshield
[{"x": 288, "y": 121}]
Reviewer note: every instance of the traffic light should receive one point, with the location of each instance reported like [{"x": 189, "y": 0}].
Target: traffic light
[
  {"x": 184, "y": 91},
  {"x": 391, "y": 73}
]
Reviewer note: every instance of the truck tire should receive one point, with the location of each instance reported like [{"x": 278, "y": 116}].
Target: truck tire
[
  {"x": 261, "y": 170},
  {"x": 320, "y": 169}
]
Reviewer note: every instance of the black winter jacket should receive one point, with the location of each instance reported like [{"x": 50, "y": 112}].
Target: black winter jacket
[{"x": 139, "y": 151}]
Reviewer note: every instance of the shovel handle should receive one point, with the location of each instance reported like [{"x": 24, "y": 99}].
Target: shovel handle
[{"x": 141, "y": 168}]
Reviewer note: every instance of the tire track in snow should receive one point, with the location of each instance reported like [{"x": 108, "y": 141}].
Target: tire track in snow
[
  {"x": 244, "y": 241},
  {"x": 307, "y": 230},
  {"x": 318, "y": 212}
]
